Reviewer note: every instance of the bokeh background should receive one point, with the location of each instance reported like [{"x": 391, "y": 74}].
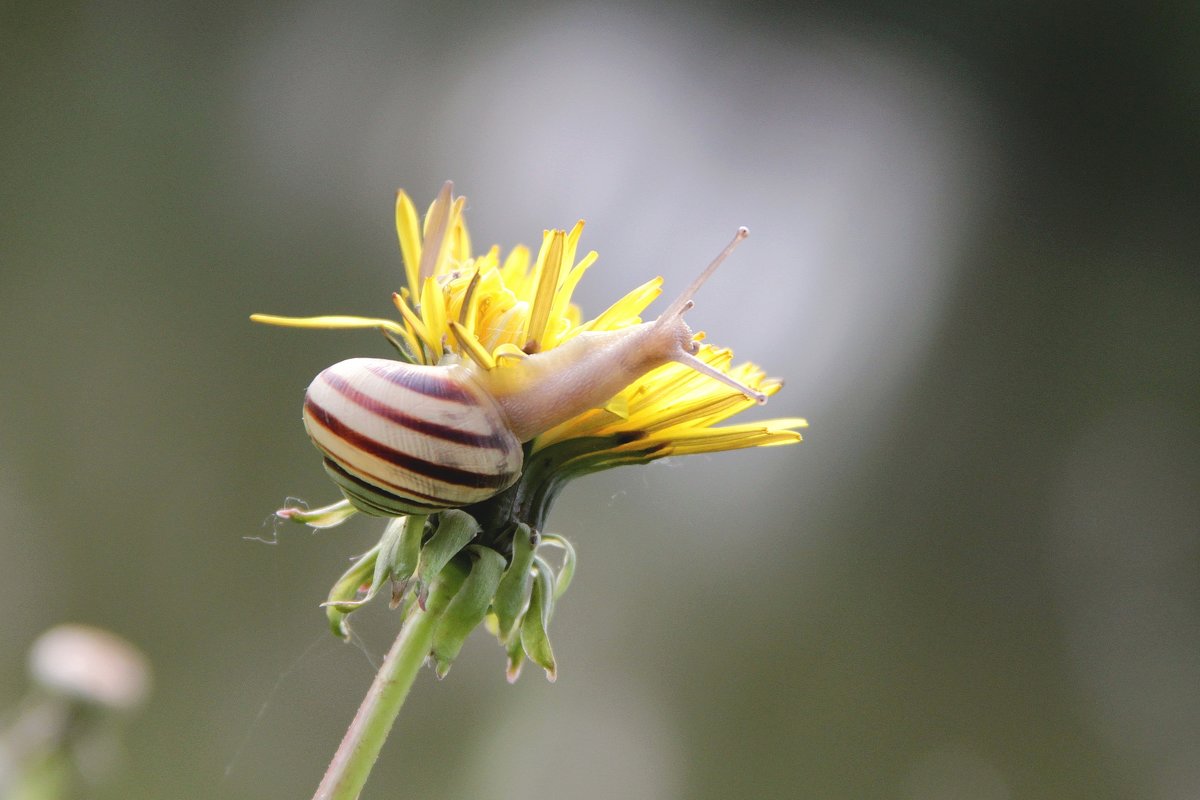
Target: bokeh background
[{"x": 974, "y": 260}]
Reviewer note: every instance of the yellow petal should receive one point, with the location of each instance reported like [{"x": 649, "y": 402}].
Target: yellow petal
[
  {"x": 433, "y": 312},
  {"x": 470, "y": 346},
  {"x": 408, "y": 231},
  {"x": 710, "y": 440},
  {"x": 437, "y": 222},
  {"x": 550, "y": 266},
  {"x": 562, "y": 299},
  {"x": 328, "y": 322},
  {"x": 515, "y": 266},
  {"x": 626, "y": 311},
  {"x": 460, "y": 240},
  {"x": 418, "y": 327}
]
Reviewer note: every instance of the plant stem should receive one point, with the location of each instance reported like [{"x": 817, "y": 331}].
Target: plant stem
[{"x": 355, "y": 756}]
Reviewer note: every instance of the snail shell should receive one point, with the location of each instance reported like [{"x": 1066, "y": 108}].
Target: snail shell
[{"x": 407, "y": 439}]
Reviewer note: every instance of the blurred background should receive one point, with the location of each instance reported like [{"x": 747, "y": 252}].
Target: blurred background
[{"x": 974, "y": 260}]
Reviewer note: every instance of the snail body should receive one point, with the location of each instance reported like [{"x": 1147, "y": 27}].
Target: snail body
[{"x": 403, "y": 438}]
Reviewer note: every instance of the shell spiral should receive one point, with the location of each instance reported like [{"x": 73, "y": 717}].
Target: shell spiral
[{"x": 408, "y": 439}]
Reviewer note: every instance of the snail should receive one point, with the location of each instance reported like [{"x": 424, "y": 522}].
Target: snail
[{"x": 402, "y": 438}]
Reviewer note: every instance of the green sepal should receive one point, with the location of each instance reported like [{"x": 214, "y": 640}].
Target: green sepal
[
  {"x": 534, "y": 638},
  {"x": 445, "y": 585},
  {"x": 567, "y": 571},
  {"x": 513, "y": 592},
  {"x": 389, "y": 545},
  {"x": 547, "y": 577},
  {"x": 516, "y": 657},
  {"x": 393, "y": 558},
  {"x": 404, "y": 601},
  {"x": 455, "y": 530},
  {"x": 468, "y": 607},
  {"x": 342, "y": 597},
  {"x": 405, "y": 555},
  {"x": 548, "y": 470}
]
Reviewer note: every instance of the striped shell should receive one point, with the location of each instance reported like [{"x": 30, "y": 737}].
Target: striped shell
[{"x": 406, "y": 439}]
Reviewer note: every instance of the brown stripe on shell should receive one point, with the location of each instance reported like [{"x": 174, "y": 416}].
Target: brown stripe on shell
[
  {"x": 431, "y": 383},
  {"x": 406, "y": 461},
  {"x": 493, "y": 441},
  {"x": 369, "y": 488},
  {"x": 384, "y": 487}
]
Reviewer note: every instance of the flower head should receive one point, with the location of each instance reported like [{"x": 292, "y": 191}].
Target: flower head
[
  {"x": 508, "y": 325},
  {"x": 456, "y": 306}
]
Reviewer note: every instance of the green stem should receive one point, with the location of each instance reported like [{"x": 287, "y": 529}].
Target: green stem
[{"x": 355, "y": 756}]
